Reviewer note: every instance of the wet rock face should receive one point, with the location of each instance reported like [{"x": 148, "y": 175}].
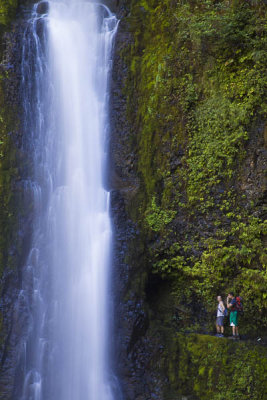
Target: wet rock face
[
  {"x": 15, "y": 227},
  {"x": 43, "y": 7},
  {"x": 146, "y": 319},
  {"x": 122, "y": 182},
  {"x": 134, "y": 350},
  {"x": 253, "y": 180}
]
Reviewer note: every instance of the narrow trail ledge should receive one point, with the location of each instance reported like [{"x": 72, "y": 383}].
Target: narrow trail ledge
[{"x": 205, "y": 368}]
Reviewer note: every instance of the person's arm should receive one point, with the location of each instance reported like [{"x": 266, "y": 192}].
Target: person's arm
[
  {"x": 229, "y": 305},
  {"x": 222, "y": 306}
]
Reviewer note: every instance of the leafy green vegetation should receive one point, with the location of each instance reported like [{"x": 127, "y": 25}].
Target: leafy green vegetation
[
  {"x": 196, "y": 98},
  {"x": 215, "y": 369},
  {"x": 157, "y": 218}
]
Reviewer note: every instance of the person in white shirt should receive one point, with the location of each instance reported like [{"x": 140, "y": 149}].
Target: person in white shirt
[{"x": 220, "y": 317}]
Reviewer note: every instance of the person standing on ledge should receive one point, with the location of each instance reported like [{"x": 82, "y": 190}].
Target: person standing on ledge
[
  {"x": 231, "y": 305},
  {"x": 220, "y": 317}
]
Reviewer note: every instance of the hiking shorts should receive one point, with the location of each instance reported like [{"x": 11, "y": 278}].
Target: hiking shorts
[
  {"x": 233, "y": 318},
  {"x": 219, "y": 321}
]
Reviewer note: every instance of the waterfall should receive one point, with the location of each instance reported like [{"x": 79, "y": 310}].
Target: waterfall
[{"x": 66, "y": 60}]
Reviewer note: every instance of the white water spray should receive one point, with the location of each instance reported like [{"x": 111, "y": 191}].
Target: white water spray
[{"x": 65, "y": 353}]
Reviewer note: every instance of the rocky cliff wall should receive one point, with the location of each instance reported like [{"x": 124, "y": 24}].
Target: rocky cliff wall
[
  {"x": 15, "y": 197},
  {"x": 188, "y": 151}
]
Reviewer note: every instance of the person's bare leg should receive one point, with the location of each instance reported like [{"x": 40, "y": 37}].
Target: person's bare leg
[
  {"x": 222, "y": 329},
  {"x": 217, "y": 328},
  {"x": 235, "y": 330}
]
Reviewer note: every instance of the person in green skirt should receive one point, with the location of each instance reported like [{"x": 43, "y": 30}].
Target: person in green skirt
[{"x": 233, "y": 317}]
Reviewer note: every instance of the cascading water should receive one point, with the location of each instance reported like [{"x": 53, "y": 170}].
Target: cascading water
[{"x": 65, "y": 67}]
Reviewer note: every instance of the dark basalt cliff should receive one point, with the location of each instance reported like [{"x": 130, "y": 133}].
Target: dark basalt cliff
[
  {"x": 15, "y": 198},
  {"x": 188, "y": 155}
]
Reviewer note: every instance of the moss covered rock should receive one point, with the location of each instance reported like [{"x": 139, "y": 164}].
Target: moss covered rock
[
  {"x": 190, "y": 117},
  {"x": 16, "y": 200},
  {"x": 197, "y": 109},
  {"x": 8, "y": 10},
  {"x": 217, "y": 369}
]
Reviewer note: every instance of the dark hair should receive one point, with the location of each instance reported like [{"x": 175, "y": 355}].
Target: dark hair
[{"x": 231, "y": 293}]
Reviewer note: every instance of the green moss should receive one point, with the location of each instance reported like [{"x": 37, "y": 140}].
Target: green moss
[
  {"x": 195, "y": 91},
  {"x": 201, "y": 77},
  {"x": 9, "y": 174},
  {"x": 217, "y": 369},
  {"x": 7, "y": 11}
]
